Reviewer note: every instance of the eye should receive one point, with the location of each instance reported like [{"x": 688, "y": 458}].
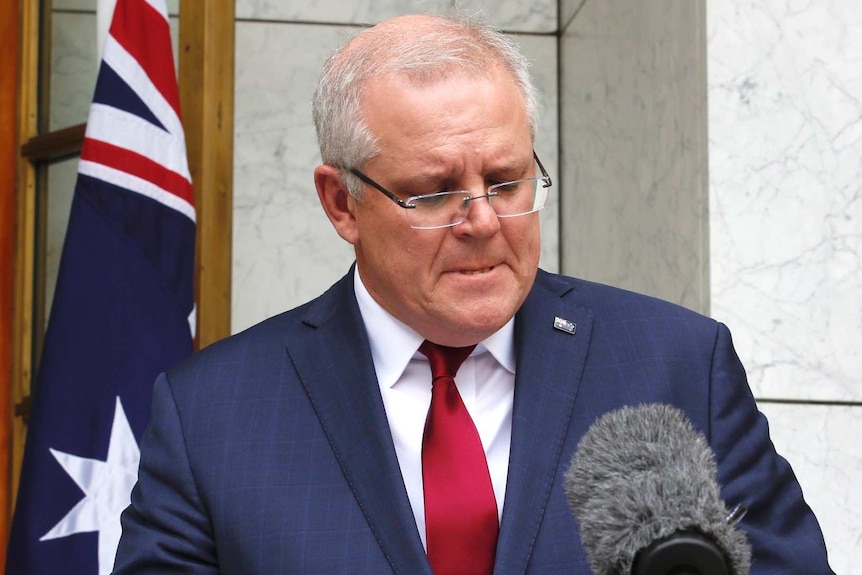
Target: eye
[
  {"x": 507, "y": 187},
  {"x": 431, "y": 200}
]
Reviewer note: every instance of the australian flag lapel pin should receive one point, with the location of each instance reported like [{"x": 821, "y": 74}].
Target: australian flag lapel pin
[{"x": 565, "y": 325}]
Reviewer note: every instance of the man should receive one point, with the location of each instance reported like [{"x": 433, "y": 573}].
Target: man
[{"x": 311, "y": 442}]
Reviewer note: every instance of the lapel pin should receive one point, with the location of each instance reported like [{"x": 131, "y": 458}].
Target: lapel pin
[{"x": 565, "y": 325}]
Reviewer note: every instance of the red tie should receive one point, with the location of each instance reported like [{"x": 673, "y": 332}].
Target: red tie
[{"x": 460, "y": 508}]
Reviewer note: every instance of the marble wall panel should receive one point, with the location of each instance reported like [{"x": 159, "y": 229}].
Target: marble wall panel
[
  {"x": 284, "y": 248},
  {"x": 75, "y": 5},
  {"x": 785, "y": 117},
  {"x": 821, "y": 443},
  {"x": 511, "y": 15},
  {"x": 633, "y": 148},
  {"x": 568, "y": 10},
  {"x": 285, "y": 251},
  {"x": 542, "y": 52},
  {"x": 73, "y": 68}
]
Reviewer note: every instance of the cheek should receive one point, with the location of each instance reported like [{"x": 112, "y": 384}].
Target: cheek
[
  {"x": 402, "y": 258},
  {"x": 525, "y": 243}
]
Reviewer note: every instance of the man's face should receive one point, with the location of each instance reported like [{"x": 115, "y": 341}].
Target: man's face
[{"x": 456, "y": 285}]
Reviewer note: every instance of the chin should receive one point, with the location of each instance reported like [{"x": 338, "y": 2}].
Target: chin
[{"x": 481, "y": 326}]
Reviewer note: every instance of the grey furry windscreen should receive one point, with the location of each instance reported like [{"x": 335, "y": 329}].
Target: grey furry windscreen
[{"x": 641, "y": 474}]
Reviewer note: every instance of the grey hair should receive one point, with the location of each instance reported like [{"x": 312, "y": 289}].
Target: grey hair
[{"x": 444, "y": 46}]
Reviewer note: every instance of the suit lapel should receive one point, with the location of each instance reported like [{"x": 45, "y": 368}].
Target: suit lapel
[
  {"x": 550, "y": 363},
  {"x": 333, "y": 359}
]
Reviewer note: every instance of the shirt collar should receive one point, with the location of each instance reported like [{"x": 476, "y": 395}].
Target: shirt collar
[{"x": 394, "y": 343}]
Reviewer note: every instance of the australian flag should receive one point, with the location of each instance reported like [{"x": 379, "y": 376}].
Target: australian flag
[{"x": 123, "y": 309}]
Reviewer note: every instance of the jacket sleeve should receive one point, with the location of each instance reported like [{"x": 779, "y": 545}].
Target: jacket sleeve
[
  {"x": 166, "y": 528},
  {"x": 784, "y": 534}
]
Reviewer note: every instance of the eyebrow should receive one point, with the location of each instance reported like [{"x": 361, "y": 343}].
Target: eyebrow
[{"x": 419, "y": 183}]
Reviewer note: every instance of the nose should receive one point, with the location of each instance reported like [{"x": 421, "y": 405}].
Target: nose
[{"x": 481, "y": 220}]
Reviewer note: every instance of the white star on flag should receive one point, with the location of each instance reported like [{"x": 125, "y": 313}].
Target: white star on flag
[{"x": 107, "y": 486}]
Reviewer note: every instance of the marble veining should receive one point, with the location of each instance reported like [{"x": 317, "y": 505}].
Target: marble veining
[
  {"x": 510, "y": 15},
  {"x": 785, "y": 121},
  {"x": 73, "y": 68},
  {"x": 821, "y": 444},
  {"x": 634, "y": 151},
  {"x": 568, "y": 10}
]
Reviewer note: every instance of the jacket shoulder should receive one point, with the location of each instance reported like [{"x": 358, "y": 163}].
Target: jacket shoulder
[
  {"x": 264, "y": 343},
  {"x": 613, "y": 304}
]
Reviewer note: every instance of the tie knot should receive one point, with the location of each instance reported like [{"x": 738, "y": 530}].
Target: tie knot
[{"x": 444, "y": 360}]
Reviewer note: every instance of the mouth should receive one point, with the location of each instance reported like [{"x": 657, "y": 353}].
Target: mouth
[{"x": 477, "y": 271}]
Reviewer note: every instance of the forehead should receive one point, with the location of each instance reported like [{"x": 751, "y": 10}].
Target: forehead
[{"x": 453, "y": 114}]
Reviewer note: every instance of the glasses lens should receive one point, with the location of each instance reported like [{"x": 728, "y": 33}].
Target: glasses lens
[
  {"x": 508, "y": 199},
  {"x": 518, "y": 198},
  {"x": 439, "y": 210}
]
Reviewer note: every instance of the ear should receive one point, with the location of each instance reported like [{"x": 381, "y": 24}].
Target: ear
[{"x": 337, "y": 202}]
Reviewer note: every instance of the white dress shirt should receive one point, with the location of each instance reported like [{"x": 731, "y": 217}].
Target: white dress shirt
[{"x": 486, "y": 382}]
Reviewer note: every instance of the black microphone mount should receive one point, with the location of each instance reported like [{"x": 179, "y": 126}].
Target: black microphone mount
[
  {"x": 682, "y": 553},
  {"x": 686, "y": 553}
]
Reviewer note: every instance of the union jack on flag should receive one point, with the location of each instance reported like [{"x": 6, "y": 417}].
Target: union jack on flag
[{"x": 123, "y": 308}]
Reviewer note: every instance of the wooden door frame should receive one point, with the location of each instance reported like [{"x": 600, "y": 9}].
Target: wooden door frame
[
  {"x": 10, "y": 32},
  {"x": 206, "y": 75}
]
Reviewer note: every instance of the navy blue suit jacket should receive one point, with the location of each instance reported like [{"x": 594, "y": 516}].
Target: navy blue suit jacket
[{"x": 270, "y": 453}]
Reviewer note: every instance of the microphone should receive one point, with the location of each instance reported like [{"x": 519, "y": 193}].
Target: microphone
[{"x": 643, "y": 488}]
